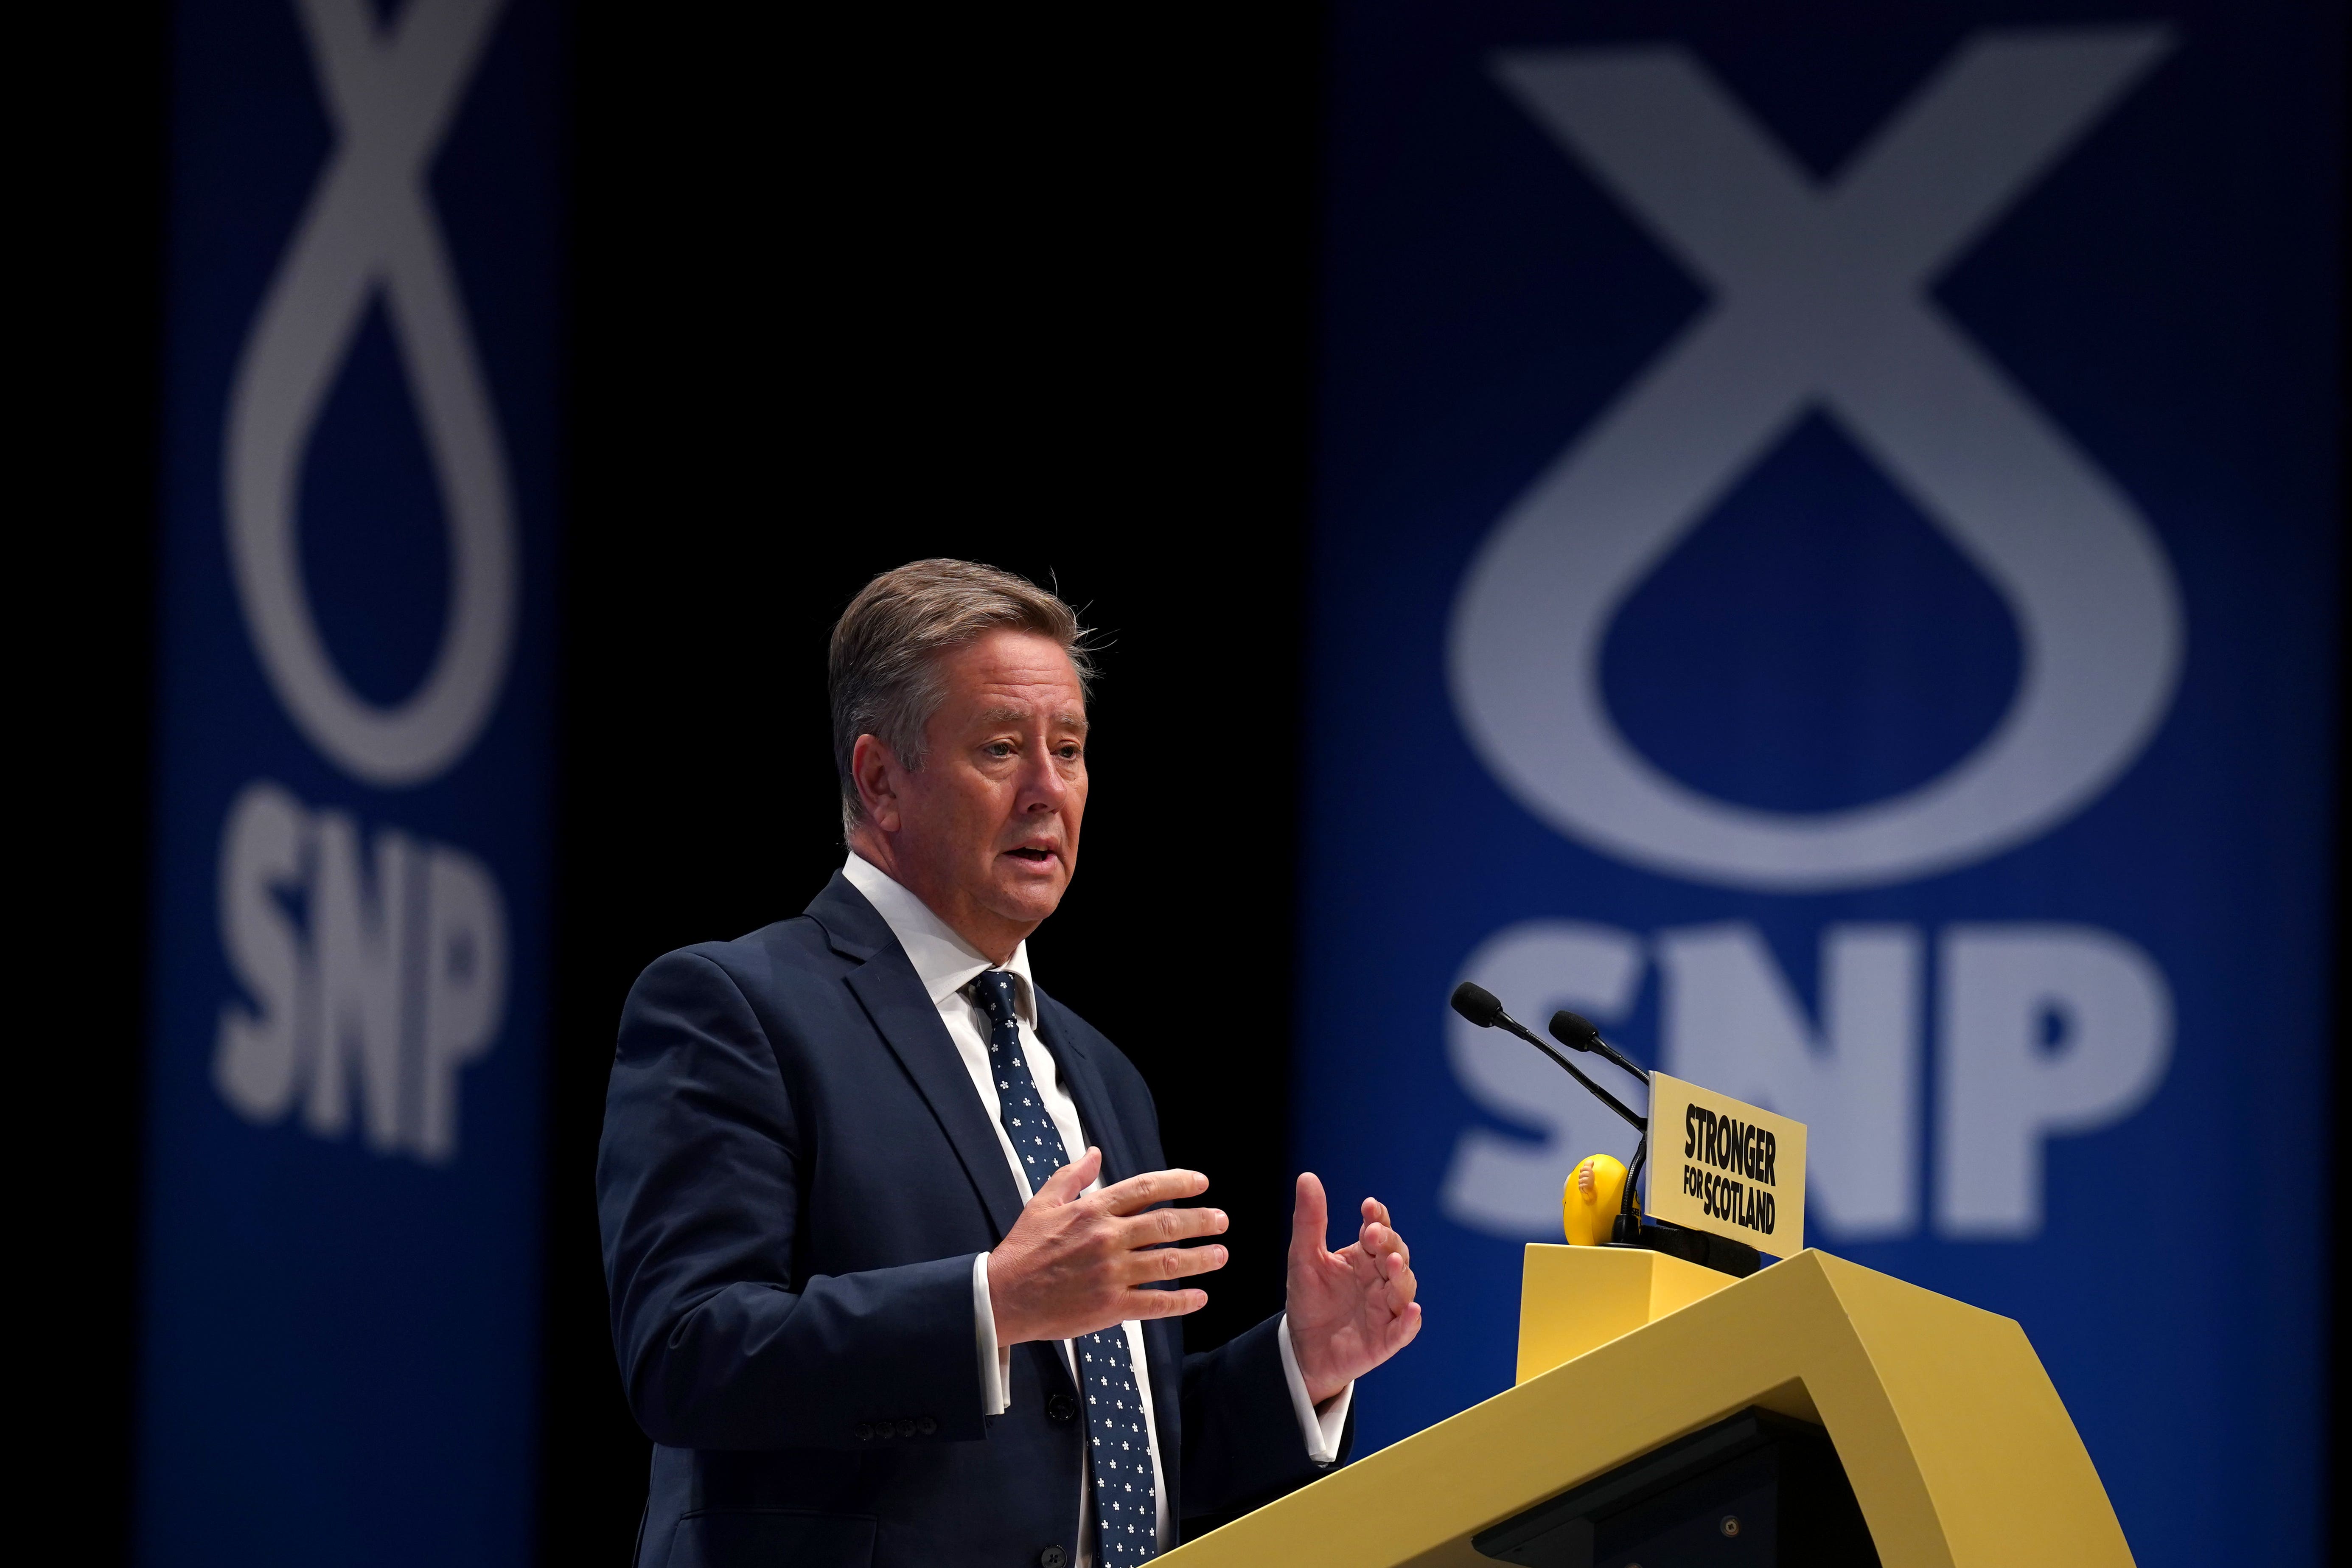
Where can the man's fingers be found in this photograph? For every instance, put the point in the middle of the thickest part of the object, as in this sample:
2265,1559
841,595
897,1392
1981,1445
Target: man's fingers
1141,1304
1400,1330
1311,1217
1174,1263
1380,1238
1071,1179
1403,1284
1136,1193
1162,1226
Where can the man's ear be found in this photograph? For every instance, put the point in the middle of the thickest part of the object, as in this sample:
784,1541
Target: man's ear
875,771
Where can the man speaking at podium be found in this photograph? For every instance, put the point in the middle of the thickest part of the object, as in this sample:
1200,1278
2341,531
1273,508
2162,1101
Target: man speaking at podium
884,1226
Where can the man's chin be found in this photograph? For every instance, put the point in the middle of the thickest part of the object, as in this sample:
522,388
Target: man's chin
1027,897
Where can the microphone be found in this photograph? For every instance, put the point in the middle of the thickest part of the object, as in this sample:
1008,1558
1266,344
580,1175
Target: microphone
1478,1004
1575,1031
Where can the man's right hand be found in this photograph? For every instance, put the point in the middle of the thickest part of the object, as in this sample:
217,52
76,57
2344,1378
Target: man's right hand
1075,1261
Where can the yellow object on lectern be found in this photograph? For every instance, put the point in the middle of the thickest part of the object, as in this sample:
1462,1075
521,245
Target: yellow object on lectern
1588,1203
1960,1454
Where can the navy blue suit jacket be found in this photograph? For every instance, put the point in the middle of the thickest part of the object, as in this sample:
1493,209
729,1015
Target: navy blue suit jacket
795,1178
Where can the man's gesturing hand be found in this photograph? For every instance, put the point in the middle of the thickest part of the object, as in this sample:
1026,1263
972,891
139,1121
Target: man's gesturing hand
1348,1310
1074,1261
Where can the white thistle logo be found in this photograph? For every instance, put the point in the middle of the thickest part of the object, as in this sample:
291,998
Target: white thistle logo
370,226
1820,300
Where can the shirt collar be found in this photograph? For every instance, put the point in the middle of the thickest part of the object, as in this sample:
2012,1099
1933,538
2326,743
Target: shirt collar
943,961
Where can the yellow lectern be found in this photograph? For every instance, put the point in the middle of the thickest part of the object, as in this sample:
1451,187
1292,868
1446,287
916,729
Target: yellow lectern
1957,1447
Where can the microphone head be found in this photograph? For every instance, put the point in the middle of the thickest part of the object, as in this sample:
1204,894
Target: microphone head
1478,1004
1574,1030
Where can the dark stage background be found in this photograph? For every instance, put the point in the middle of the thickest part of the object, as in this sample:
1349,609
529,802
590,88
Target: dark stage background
1035,294
1037,290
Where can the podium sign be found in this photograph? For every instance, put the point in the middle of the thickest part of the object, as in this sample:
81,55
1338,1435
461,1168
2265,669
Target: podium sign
1722,1165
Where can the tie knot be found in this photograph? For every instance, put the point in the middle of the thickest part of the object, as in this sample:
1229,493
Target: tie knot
992,989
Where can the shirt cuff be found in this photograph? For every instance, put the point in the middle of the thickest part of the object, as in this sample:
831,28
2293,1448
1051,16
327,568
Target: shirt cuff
996,1365
1324,1430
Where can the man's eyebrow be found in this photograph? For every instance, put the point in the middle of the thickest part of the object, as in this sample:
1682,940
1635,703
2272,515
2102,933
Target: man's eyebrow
1018,715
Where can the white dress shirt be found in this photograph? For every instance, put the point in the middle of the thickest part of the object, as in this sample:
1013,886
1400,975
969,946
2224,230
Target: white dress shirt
945,963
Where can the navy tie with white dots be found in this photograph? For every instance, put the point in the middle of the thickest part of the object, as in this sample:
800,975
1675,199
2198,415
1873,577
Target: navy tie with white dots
1126,1518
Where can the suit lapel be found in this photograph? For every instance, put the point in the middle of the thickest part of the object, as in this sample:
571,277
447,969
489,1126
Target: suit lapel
1081,1077
886,986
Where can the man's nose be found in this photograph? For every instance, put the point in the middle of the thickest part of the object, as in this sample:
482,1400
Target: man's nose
1041,783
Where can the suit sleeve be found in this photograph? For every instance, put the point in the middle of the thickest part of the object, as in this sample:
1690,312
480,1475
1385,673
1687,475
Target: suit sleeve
697,1191
1242,1442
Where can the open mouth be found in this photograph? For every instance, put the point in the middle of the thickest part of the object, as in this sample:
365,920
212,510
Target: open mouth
1034,857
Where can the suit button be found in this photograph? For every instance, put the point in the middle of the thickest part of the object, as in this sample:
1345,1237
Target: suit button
866,1431
926,1426
1060,1407
1053,1557
906,1428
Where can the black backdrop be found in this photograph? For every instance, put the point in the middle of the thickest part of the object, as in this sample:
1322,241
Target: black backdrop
1036,295
1038,292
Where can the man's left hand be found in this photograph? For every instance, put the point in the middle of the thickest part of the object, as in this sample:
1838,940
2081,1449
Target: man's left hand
1348,1310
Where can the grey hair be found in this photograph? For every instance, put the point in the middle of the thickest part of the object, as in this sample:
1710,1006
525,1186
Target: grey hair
883,670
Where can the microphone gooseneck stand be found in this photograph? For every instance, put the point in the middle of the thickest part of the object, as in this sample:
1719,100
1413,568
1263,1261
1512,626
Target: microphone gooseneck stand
1478,1005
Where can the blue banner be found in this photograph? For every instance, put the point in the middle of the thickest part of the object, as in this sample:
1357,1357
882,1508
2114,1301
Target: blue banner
1826,564
350,946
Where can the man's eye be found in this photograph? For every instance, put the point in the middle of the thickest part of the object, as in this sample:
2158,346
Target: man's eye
1000,748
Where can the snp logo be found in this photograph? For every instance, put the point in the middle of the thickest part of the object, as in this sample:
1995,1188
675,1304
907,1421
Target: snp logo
2043,1030
1820,301
373,971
